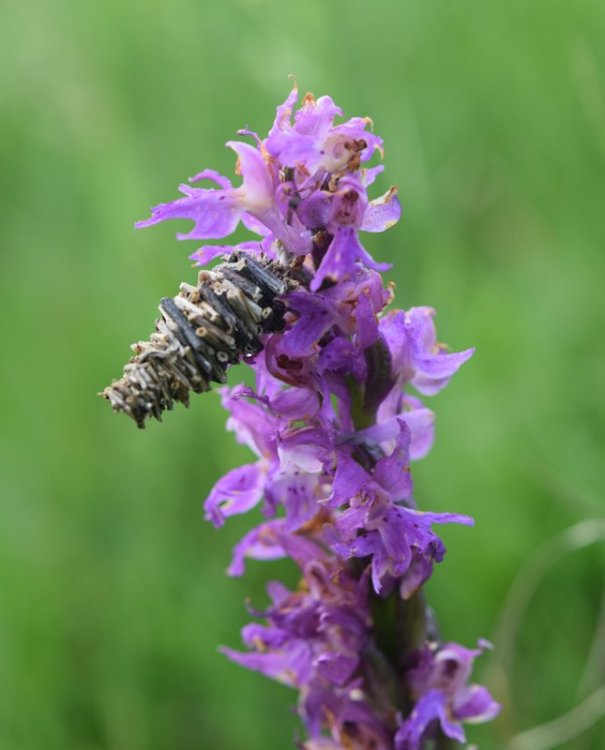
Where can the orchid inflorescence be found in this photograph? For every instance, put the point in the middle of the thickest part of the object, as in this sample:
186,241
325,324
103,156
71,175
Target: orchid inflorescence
333,424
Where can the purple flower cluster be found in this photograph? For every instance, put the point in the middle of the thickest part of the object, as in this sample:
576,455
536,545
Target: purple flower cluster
334,428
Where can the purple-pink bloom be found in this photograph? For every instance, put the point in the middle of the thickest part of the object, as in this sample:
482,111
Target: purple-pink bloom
438,682
238,491
312,140
216,213
314,640
417,356
399,541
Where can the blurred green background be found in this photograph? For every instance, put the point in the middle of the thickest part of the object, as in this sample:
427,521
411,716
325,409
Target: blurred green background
113,596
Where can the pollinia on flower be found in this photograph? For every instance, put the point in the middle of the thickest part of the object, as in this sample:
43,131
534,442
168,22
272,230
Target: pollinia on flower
335,419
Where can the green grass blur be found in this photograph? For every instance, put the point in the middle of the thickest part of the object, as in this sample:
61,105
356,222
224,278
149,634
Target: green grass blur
113,596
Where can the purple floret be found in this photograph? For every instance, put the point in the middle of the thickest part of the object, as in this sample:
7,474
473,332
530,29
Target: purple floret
438,681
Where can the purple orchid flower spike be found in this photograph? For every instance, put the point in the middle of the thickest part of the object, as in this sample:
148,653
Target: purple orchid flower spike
332,425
